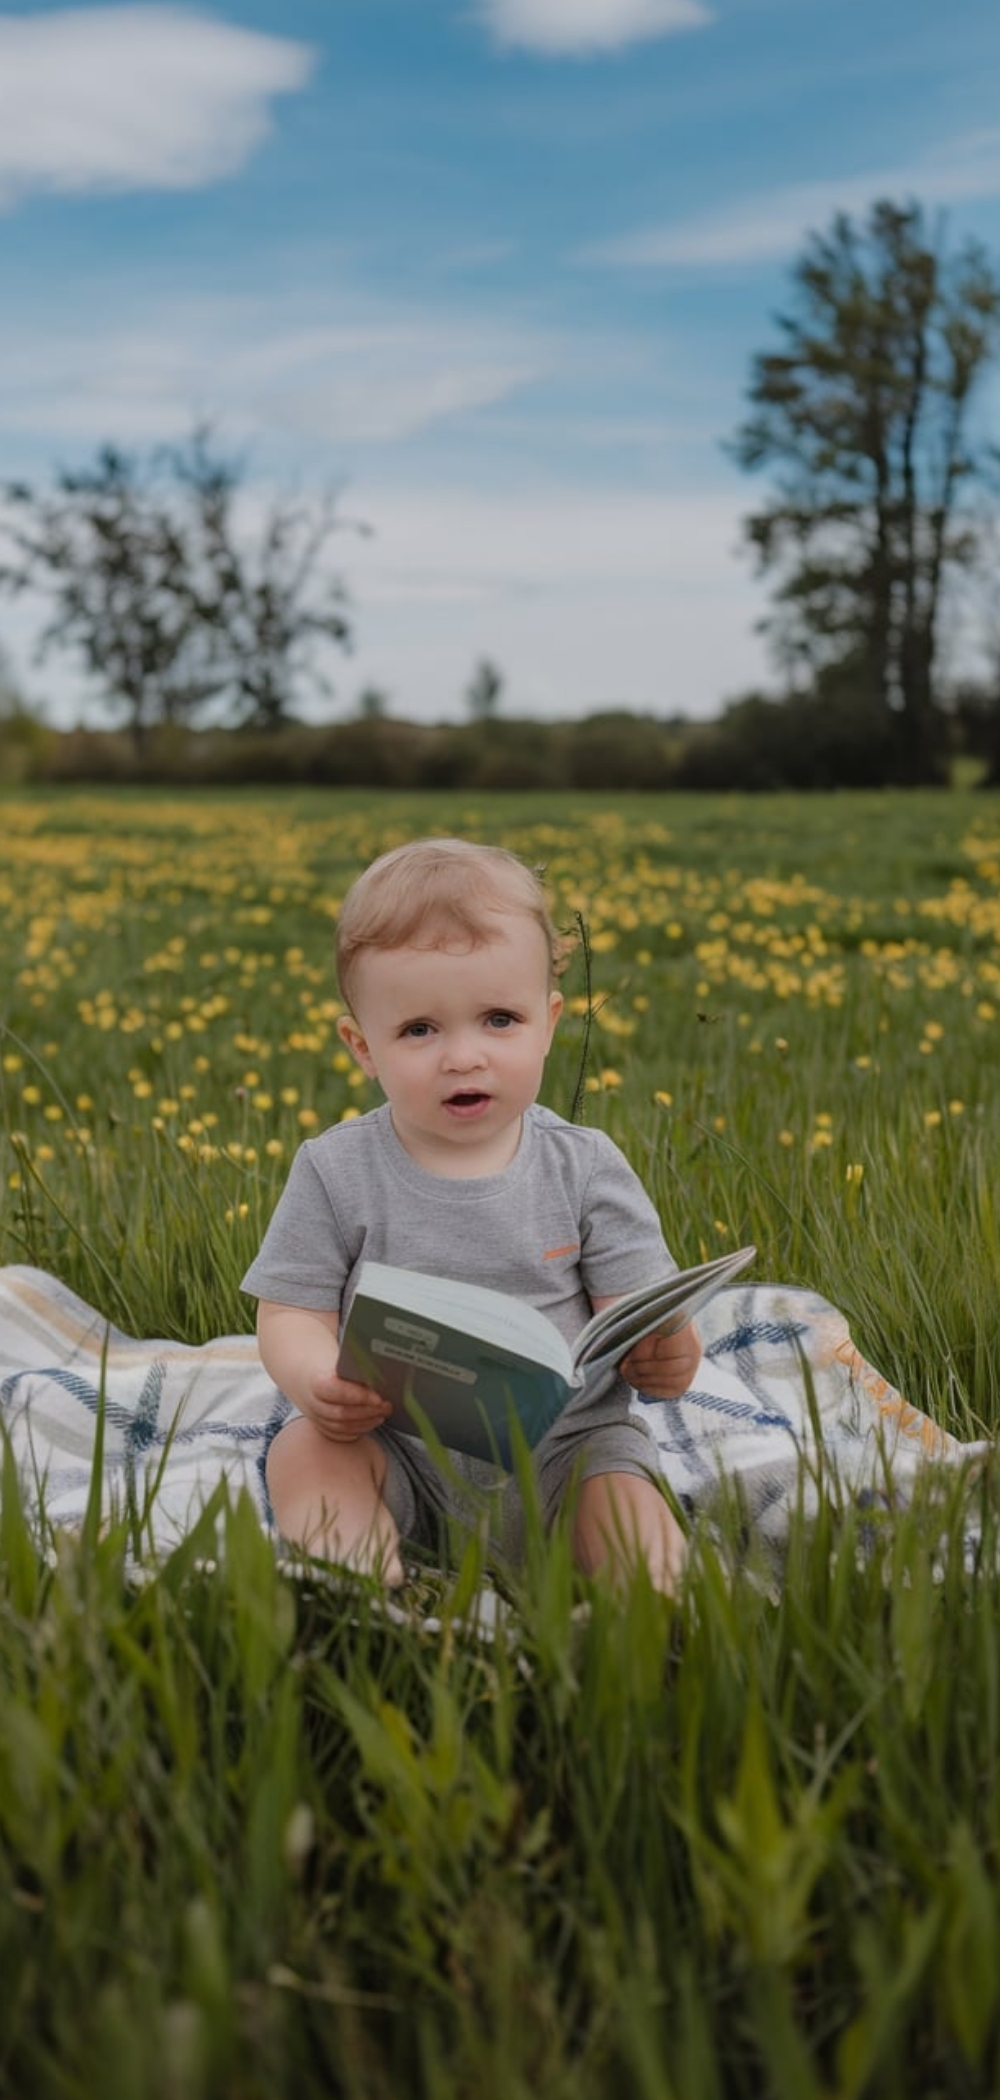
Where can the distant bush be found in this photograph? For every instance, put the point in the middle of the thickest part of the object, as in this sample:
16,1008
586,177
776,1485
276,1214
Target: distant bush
821,740
809,741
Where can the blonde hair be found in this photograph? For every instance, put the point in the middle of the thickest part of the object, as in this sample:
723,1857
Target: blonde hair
427,892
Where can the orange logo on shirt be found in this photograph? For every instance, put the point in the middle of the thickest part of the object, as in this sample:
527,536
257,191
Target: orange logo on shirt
555,1253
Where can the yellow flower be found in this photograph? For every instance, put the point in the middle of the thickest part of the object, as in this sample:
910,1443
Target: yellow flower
609,1077
307,1118
932,1117
665,1100
786,1137
956,1108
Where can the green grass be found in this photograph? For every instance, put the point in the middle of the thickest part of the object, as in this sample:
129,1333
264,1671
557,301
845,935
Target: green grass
257,1837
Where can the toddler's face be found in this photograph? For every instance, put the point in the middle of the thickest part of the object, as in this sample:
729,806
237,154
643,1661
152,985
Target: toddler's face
457,1038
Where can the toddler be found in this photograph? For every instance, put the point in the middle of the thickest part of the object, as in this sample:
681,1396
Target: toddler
447,961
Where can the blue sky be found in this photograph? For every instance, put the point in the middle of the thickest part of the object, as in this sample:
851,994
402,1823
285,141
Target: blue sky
496,269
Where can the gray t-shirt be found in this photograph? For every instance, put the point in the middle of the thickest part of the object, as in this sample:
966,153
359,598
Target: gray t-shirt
566,1222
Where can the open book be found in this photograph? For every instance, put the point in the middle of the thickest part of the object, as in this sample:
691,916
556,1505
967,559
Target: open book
471,1358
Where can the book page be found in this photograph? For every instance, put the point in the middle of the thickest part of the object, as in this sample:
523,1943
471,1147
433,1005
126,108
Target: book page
659,1307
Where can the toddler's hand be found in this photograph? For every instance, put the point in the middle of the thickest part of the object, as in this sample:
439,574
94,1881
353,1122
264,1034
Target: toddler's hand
664,1365
344,1411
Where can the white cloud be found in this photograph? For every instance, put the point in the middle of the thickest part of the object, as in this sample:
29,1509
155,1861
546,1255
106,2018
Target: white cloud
121,98
377,379
586,597
560,28
774,222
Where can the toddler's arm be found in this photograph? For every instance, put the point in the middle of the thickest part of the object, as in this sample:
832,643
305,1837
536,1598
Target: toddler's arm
299,1347
662,1365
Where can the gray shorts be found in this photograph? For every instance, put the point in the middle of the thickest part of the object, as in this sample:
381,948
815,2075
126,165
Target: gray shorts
430,1505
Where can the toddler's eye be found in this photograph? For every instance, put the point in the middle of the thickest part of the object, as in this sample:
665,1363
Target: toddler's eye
502,1020
418,1029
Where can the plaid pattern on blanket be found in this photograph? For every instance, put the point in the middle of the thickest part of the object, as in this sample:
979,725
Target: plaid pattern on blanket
781,1382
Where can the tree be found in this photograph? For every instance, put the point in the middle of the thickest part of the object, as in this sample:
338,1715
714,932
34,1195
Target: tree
267,602
373,704
166,602
865,411
482,694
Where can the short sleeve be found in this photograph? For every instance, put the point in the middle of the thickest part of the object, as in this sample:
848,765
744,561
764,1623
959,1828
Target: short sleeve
303,1259
622,1243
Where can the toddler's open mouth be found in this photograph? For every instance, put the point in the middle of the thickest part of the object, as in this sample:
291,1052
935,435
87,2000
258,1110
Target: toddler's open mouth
469,1098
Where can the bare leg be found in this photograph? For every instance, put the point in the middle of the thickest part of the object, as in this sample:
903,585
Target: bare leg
622,1520
327,1497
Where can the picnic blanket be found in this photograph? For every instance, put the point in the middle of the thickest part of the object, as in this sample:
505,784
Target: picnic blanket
785,1409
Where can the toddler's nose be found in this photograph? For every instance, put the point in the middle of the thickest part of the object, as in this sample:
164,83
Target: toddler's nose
464,1052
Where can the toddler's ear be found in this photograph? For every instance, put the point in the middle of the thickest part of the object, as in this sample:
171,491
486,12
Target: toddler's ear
350,1034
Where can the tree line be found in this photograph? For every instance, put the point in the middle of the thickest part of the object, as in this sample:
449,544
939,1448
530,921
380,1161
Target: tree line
867,417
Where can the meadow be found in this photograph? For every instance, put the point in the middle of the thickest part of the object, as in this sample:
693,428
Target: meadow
257,1838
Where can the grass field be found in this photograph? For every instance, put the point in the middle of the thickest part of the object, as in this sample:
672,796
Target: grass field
257,1839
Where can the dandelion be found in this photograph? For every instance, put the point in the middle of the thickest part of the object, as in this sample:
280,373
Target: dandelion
609,1077
348,1114
307,1118
932,1117
665,1100
786,1137
956,1108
